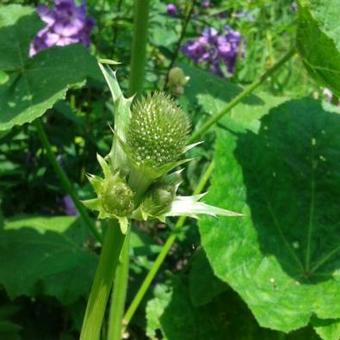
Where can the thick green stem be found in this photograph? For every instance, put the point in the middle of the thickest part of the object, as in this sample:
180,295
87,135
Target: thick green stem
248,90
164,252
102,284
65,182
138,55
118,297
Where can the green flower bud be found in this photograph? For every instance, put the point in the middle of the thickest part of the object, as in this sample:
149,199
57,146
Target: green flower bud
158,131
176,81
158,201
117,197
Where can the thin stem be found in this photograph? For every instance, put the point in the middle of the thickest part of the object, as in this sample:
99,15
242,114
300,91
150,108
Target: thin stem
102,284
248,90
164,252
138,55
180,40
65,182
115,28
119,293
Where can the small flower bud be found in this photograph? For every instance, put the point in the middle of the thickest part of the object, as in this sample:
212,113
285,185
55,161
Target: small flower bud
117,197
158,201
158,131
177,80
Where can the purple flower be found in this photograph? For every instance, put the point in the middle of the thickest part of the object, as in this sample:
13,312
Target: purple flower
171,9
69,207
66,24
206,4
215,50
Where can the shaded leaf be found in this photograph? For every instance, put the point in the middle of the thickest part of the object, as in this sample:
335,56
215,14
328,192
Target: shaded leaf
282,257
203,284
171,313
49,257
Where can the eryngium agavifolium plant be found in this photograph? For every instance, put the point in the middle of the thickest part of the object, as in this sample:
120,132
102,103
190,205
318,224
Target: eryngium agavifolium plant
149,139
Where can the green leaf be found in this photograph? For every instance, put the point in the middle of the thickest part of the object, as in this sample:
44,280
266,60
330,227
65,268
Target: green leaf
226,317
18,26
245,115
318,41
49,257
202,82
8,329
35,84
327,329
155,308
203,284
282,257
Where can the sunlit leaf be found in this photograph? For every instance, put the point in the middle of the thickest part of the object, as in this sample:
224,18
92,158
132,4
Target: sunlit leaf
283,256
35,84
318,40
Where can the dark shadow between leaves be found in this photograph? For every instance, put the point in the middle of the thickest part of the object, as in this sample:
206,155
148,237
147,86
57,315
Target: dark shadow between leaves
291,173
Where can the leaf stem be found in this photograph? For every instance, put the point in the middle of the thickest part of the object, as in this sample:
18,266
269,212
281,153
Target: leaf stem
118,297
65,182
248,90
102,284
138,55
164,252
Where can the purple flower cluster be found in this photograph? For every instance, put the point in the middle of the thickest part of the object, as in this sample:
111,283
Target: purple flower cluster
66,24
215,50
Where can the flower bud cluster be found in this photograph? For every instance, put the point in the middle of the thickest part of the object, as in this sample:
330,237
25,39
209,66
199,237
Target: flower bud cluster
148,142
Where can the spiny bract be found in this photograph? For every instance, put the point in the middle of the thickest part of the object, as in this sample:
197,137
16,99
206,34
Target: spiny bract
158,131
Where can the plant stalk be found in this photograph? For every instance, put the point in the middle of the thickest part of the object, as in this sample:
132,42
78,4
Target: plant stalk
180,40
65,182
164,252
138,55
102,284
118,297
248,90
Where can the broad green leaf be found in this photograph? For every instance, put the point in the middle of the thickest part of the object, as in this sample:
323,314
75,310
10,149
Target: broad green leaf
327,329
203,284
283,256
226,317
211,94
245,115
35,84
49,257
18,26
318,41
202,82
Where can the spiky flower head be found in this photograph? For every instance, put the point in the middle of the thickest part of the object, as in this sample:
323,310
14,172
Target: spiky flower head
158,131
148,142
